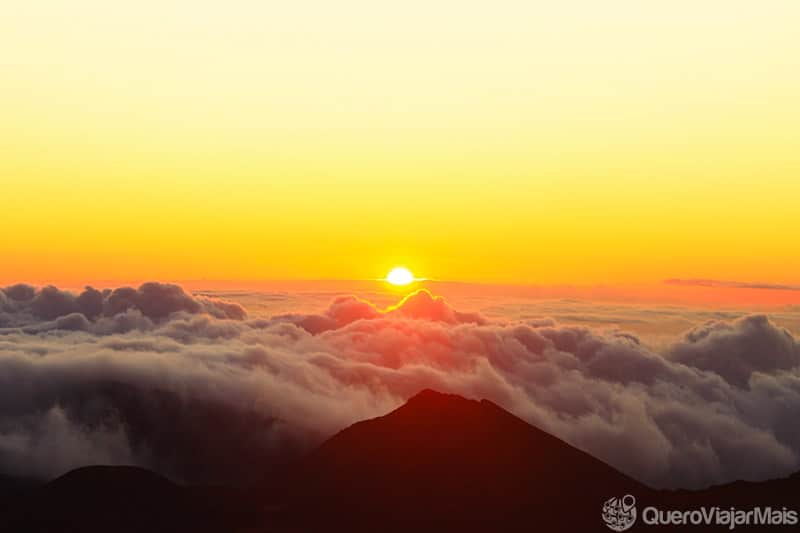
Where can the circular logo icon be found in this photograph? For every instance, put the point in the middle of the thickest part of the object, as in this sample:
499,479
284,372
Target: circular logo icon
619,514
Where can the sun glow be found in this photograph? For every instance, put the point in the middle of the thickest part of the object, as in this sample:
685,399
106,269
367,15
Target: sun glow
382,146
400,276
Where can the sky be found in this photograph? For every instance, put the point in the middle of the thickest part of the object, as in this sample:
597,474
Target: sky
505,142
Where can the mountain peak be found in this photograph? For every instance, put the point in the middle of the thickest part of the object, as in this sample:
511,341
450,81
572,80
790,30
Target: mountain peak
439,450
430,396
110,483
99,475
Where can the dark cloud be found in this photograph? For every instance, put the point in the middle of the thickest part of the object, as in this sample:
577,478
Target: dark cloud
188,387
735,350
90,302
72,322
26,306
50,303
19,292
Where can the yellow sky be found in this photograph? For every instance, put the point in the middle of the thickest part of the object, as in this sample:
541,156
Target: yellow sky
525,142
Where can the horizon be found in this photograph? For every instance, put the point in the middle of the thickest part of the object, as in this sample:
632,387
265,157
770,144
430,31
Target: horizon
692,292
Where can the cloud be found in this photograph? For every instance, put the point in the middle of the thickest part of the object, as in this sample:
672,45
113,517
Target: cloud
731,284
344,310
736,350
19,292
26,306
193,389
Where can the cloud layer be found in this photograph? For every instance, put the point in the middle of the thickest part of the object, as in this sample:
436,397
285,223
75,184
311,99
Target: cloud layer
731,284
192,388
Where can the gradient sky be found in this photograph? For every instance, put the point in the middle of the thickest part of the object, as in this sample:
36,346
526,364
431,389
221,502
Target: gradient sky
524,142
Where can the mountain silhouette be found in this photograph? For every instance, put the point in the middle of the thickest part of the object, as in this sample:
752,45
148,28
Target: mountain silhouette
122,499
445,462
438,463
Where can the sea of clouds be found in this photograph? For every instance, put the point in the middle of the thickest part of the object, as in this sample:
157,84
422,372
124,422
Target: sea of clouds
194,388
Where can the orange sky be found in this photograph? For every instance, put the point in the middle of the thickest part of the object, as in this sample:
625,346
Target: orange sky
506,143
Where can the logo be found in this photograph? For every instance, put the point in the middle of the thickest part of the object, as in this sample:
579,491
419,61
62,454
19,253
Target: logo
619,514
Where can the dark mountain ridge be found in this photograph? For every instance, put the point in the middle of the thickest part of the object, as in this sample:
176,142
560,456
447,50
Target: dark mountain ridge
438,463
440,457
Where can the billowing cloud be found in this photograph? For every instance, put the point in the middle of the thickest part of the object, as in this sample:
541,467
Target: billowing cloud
23,305
192,388
421,305
736,350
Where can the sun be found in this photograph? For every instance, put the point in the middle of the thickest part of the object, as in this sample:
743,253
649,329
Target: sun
400,276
